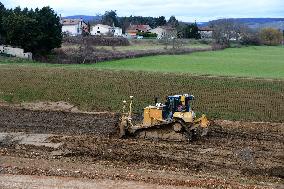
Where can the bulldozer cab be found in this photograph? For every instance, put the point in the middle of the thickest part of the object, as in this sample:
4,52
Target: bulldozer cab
177,103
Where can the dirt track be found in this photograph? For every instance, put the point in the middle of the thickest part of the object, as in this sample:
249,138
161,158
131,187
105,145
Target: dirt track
235,154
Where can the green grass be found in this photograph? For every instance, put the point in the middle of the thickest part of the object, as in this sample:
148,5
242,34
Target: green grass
103,86
104,90
256,62
252,62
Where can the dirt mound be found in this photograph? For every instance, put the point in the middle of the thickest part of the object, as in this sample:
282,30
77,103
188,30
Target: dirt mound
52,106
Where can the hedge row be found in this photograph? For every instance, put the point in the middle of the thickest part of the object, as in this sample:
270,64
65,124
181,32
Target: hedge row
91,55
96,40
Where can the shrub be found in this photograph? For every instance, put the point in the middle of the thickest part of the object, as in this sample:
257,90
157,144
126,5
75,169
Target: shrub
97,40
270,36
147,34
87,54
251,39
205,41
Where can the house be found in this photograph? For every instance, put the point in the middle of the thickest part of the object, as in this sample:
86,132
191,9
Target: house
100,29
73,27
164,31
132,30
16,52
205,32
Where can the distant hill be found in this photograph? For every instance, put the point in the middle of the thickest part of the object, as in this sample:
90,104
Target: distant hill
86,18
258,20
257,23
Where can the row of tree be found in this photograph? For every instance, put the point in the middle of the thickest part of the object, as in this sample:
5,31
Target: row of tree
227,30
111,18
37,31
184,30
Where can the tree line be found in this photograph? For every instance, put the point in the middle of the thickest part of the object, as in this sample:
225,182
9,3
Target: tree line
184,30
37,31
227,30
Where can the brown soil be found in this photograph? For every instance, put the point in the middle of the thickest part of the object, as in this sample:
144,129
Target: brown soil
233,155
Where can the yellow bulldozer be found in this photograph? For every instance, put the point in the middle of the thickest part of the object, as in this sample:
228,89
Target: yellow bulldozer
173,120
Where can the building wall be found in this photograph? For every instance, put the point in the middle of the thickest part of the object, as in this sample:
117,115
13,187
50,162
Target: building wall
72,29
161,32
100,29
17,52
117,31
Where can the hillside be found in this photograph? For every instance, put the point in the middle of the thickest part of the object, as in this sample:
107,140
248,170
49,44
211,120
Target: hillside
257,23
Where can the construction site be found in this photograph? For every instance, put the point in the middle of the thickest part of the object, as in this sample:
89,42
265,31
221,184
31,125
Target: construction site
67,144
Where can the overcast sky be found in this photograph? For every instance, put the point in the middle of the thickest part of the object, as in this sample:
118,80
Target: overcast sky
185,10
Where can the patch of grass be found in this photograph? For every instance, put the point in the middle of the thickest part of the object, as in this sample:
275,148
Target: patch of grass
256,62
7,98
101,90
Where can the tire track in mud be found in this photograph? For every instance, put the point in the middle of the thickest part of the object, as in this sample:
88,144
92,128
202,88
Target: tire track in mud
56,122
197,158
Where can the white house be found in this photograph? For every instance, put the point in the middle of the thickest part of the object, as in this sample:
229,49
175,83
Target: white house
17,52
73,27
101,29
164,31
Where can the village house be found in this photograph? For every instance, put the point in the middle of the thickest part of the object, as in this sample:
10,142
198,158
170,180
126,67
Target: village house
100,29
74,27
205,32
132,30
164,31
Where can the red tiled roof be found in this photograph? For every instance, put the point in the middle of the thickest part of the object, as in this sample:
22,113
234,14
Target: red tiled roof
70,21
135,28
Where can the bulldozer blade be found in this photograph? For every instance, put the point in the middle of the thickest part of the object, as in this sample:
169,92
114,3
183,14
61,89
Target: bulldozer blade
163,132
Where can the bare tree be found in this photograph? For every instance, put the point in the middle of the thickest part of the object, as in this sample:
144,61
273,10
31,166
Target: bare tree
226,30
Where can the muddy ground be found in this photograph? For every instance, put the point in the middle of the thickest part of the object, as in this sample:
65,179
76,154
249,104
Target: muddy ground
86,146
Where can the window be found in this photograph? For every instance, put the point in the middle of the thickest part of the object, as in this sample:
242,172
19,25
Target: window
98,31
98,27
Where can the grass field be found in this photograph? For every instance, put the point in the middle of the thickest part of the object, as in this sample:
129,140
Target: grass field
102,90
252,62
92,87
260,62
